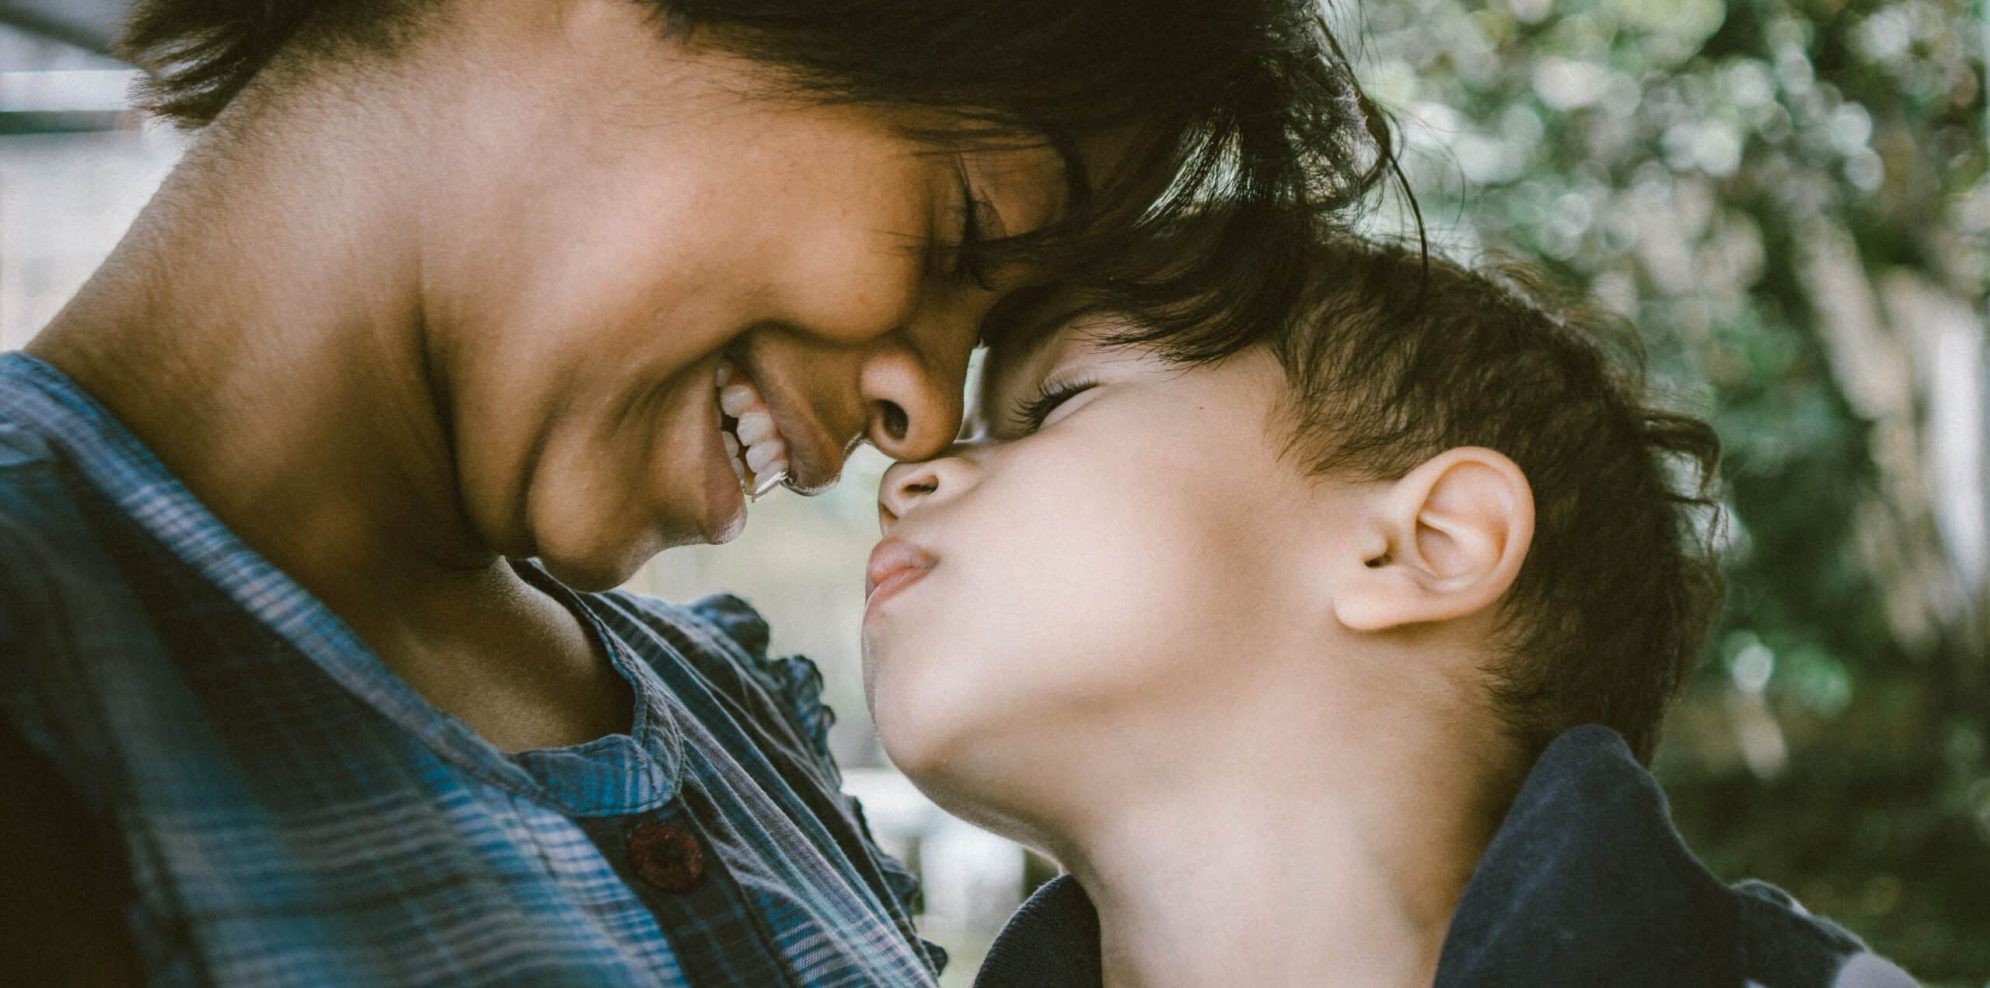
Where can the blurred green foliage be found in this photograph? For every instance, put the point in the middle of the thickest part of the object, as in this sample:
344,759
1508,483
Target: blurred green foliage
1757,184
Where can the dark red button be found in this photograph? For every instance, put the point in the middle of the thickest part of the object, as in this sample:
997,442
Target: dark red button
666,857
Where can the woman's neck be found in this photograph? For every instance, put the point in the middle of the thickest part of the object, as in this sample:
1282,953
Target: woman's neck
259,328
1292,865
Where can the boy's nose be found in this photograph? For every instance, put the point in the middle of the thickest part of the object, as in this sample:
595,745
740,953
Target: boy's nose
908,485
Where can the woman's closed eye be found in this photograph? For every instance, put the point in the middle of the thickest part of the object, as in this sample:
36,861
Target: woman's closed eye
1034,412
968,255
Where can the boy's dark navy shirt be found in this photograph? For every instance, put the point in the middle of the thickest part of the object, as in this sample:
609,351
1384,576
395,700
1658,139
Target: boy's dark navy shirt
1586,883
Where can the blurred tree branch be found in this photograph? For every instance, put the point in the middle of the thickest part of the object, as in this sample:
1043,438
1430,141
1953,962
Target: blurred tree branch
1791,198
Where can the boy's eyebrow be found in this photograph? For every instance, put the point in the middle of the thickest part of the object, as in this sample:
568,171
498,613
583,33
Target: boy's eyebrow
1015,331
1010,314
1020,323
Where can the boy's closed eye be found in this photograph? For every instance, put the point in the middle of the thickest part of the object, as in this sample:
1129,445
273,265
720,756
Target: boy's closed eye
1033,413
1030,386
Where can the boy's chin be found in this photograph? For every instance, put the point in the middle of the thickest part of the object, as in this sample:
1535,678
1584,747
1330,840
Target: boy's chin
987,802
985,779
932,751
917,752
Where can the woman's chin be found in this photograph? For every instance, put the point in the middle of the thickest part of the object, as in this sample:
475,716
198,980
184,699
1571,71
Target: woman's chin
593,558
602,556
725,513
914,741
593,573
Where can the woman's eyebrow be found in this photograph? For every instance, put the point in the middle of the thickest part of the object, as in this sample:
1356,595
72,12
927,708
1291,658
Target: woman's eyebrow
1077,178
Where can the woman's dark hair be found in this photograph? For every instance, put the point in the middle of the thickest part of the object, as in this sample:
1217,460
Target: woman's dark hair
1244,111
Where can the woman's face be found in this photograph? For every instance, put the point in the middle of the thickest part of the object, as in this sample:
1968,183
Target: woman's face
611,216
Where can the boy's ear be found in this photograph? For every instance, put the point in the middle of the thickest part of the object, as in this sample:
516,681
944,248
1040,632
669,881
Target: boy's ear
1444,542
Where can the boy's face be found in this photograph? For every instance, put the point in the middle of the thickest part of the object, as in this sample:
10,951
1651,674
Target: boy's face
1101,578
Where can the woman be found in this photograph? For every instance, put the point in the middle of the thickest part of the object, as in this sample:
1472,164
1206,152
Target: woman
457,312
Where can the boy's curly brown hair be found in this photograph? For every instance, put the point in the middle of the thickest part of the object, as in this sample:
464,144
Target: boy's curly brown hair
1396,357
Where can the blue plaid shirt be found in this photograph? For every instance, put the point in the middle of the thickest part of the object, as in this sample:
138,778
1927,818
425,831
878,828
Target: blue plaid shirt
291,813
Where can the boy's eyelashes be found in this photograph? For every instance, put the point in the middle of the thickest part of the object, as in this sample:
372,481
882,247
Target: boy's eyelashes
1031,412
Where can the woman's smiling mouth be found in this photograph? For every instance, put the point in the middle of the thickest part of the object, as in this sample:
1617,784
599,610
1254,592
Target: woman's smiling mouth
746,426
773,434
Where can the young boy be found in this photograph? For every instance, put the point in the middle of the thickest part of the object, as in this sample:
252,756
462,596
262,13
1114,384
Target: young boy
1328,657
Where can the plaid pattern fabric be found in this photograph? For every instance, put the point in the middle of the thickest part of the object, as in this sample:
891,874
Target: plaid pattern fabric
291,813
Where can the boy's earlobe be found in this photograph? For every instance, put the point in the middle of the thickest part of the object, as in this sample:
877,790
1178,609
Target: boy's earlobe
1444,542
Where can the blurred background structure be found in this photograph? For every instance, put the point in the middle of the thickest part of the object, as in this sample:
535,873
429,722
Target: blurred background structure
1790,197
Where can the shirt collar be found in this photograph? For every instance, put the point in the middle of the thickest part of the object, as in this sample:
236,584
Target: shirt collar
1586,882
615,774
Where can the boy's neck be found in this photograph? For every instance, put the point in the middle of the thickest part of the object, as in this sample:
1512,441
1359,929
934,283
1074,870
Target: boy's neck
1291,863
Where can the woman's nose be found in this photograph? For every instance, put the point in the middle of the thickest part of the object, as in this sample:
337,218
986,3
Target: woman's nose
913,408
911,382
909,485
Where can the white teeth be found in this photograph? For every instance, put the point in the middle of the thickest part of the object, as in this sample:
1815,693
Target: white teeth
735,399
769,482
753,444
759,455
756,426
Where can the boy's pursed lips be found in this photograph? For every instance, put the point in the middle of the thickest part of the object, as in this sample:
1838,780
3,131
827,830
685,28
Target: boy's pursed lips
894,565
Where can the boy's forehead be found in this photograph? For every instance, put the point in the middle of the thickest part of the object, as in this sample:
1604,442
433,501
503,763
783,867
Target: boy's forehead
1020,334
